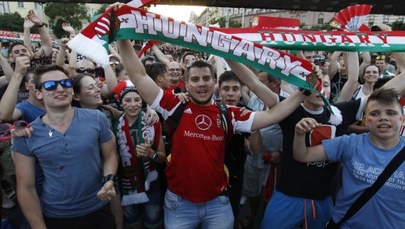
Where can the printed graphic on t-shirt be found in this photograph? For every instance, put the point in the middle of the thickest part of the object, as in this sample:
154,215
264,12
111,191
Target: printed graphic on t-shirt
369,174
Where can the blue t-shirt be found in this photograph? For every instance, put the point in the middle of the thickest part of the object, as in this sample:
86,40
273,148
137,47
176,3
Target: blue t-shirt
362,164
71,163
29,112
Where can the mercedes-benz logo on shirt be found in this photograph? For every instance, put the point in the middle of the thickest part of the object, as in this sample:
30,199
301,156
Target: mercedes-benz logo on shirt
203,122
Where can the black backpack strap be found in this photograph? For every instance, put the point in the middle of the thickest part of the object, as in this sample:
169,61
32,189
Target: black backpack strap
369,192
173,121
223,109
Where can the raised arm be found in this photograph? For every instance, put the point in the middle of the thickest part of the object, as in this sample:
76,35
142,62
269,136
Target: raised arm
398,83
61,57
137,73
28,24
333,64
43,32
8,71
301,152
111,82
366,61
253,83
278,112
352,78
9,99
160,55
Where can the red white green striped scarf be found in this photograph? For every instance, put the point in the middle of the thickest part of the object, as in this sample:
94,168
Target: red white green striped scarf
132,23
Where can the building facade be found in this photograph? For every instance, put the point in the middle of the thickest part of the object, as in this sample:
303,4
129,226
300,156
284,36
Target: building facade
247,16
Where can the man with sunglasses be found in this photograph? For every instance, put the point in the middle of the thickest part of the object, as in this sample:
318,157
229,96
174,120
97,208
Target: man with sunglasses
107,84
79,180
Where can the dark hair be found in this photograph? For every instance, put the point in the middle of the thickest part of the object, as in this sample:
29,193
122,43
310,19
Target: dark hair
361,78
187,54
228,76
148,58
386,96
42,69
15,44
156,69
77,85
381,81
271,78
119,68
198,64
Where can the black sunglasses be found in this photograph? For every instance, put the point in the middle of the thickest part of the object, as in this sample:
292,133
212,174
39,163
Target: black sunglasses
85,70
53,84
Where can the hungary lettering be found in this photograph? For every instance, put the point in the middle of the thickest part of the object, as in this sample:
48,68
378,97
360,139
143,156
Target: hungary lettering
152,24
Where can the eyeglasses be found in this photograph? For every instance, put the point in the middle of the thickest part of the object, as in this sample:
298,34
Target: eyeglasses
5,129
174,69
114,63
85,70
382,57
53,84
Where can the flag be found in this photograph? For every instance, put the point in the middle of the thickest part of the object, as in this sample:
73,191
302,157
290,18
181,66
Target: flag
133,23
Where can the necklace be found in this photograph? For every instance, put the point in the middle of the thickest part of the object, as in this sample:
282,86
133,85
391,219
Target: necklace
50,130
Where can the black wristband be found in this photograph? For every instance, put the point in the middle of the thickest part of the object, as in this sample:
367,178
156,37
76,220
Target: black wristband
305,91
109,177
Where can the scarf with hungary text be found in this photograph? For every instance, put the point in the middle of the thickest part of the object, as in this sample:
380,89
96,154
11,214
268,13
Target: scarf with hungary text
135,172
132,23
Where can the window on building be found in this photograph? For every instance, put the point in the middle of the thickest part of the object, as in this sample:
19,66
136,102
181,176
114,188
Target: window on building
20,4
386,20
320,19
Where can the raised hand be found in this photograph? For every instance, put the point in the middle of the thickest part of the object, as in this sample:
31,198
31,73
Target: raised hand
22,63
68,28
34,18
28,24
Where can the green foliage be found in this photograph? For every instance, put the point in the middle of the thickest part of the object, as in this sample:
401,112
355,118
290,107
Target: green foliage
222,22
102,9
398,25
74,13
12,22
323,27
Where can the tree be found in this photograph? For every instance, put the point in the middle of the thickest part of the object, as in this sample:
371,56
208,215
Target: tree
74,13
12,22
398,25
102,9
222,22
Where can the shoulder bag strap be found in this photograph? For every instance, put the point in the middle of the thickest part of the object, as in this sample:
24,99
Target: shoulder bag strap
369,192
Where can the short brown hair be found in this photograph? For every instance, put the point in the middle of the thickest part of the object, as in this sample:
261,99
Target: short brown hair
42,69
386,96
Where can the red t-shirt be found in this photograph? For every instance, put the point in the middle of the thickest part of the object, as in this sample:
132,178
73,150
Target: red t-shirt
178,88
196,169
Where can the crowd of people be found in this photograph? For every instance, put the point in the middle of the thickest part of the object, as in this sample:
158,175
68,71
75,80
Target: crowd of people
183,139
